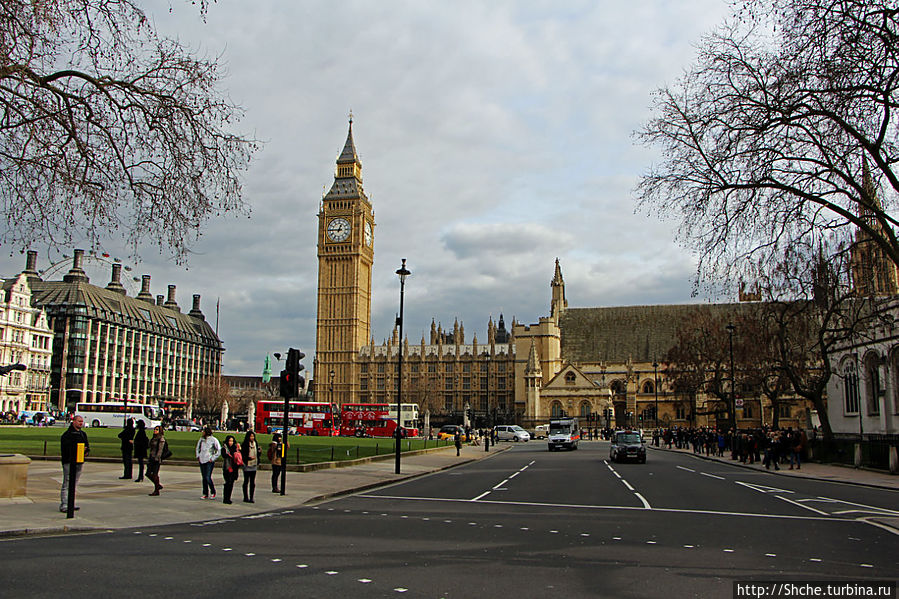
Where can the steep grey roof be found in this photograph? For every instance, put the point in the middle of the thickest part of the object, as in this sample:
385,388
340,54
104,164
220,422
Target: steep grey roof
642,333
111,306
346,188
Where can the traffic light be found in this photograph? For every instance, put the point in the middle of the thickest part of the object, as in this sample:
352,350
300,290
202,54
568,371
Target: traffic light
291,381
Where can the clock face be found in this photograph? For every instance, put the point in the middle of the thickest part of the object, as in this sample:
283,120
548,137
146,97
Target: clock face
339,229
368,235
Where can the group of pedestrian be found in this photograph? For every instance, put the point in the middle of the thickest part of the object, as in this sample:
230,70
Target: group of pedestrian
771,446
135,445
236,458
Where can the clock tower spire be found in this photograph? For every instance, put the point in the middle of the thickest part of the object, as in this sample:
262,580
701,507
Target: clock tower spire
345,258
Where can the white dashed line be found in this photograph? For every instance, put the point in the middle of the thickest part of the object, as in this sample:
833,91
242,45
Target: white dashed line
364,580
554,532
276,559
525,528
650,542
249,554
400,590
728,550
188,541
712,475
687,469
814,559
770,555
472,523
169,538
207,544
688,546
616,538
514,475
481,495
585,534
331,572
866,565
627,484
226,549
302,565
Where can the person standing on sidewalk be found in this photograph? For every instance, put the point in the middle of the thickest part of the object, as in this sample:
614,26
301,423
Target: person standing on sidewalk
208,451
127,437
251,454
274,456
141,444
230,466
68,448
457,438
158,446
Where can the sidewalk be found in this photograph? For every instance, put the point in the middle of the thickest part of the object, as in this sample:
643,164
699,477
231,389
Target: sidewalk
813,470
108,502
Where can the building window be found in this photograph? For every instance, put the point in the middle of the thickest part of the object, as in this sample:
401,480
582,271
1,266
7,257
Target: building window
873,390
556,410
747,410
448,402
850,389
466,367
648,387
783,410
680,412
381,367
569,378
364,368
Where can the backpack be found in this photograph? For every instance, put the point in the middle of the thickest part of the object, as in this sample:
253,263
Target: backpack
238,459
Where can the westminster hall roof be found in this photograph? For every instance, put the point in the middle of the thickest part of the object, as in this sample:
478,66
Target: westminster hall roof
639,333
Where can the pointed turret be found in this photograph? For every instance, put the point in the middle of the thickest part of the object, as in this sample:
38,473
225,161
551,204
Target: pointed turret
533,367
559,303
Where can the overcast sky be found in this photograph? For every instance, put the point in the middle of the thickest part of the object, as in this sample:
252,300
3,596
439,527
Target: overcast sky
494,137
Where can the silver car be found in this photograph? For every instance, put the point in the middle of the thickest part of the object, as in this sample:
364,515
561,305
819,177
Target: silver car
511,432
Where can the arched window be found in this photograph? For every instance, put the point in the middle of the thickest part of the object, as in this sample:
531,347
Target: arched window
617,387
569,378
850,387
648,387
556,410
872,384
585,409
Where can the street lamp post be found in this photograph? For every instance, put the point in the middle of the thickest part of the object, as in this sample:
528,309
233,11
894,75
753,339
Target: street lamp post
733,397
487,407
402,273
655,386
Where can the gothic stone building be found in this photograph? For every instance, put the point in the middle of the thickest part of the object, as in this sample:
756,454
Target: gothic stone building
576,361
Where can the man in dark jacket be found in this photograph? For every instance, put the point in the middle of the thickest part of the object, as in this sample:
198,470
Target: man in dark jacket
68,448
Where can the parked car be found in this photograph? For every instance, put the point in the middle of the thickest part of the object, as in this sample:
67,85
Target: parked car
449,432
36,417
541,431
511,432
183,424
627,445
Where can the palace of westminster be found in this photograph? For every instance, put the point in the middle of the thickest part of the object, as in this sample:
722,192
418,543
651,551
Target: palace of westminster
83,342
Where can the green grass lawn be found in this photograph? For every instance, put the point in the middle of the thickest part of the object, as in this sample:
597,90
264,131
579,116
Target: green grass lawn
37,441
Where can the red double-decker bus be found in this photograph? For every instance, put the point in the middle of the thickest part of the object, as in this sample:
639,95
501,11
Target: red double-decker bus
303,418
377,420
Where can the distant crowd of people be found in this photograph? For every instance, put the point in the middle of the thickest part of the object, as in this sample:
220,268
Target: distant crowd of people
770,446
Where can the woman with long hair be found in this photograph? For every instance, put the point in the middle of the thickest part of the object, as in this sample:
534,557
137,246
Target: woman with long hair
251,454
157,449
230,469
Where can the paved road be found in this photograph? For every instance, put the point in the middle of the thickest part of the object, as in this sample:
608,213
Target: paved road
524,523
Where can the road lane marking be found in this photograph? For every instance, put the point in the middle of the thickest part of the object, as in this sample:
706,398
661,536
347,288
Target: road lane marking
501,484
712,475
763,488
808,507
613,507
481,495
643,499
687,469
514,475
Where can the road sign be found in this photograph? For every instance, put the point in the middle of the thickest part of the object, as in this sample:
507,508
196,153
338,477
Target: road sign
739,403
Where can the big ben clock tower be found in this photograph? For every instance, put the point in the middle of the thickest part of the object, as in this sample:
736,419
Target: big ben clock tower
345,256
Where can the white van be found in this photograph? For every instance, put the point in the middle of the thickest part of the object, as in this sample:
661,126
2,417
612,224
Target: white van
541,431
564,433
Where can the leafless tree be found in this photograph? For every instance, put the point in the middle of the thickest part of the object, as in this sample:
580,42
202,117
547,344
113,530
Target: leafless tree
107,128
783,131
811,309
210,394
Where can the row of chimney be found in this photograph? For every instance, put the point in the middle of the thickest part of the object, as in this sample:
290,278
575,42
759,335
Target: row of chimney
76,274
